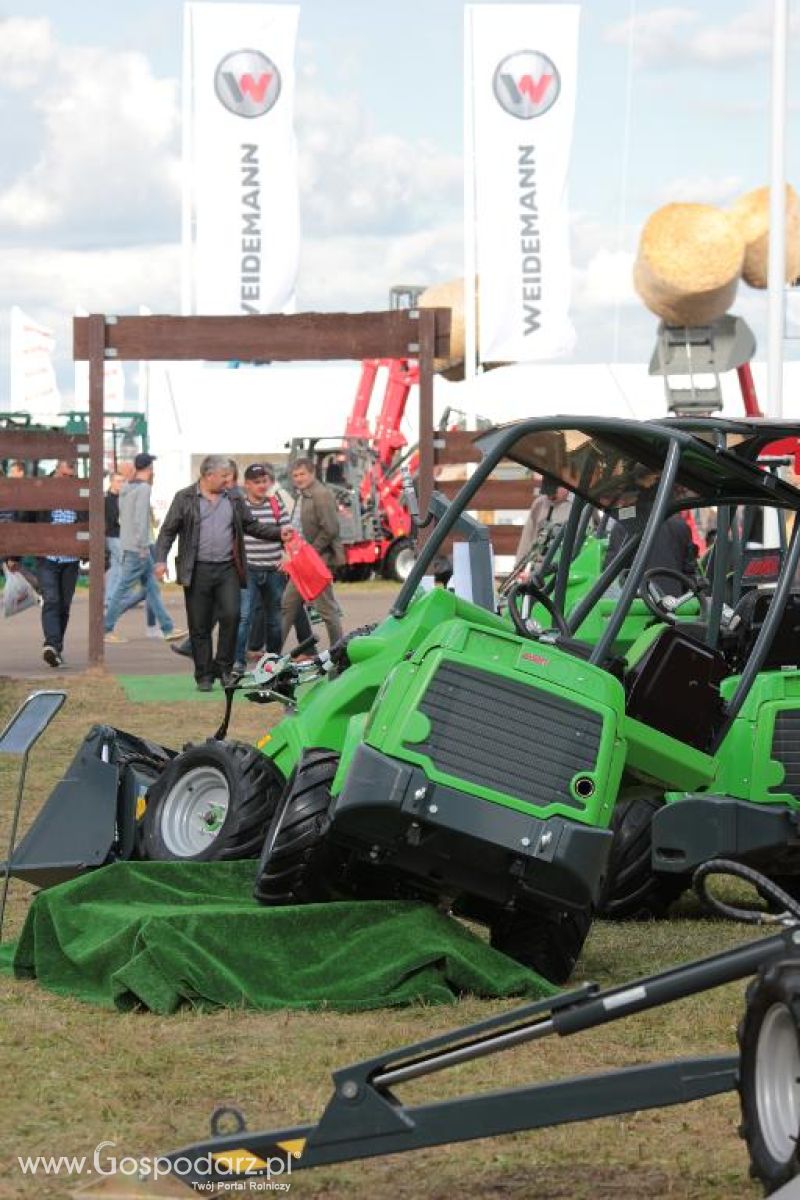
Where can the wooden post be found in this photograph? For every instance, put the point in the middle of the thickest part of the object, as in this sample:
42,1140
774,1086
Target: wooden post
427,346
97,541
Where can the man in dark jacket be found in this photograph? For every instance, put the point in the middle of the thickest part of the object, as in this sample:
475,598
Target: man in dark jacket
317,517
58,575
210,523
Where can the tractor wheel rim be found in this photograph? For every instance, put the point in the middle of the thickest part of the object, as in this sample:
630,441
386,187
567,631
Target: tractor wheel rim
404,563
194,811
778,1082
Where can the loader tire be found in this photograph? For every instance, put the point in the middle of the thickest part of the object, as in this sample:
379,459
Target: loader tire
548,941
400,559
769,1067
633,891
213,802
297,865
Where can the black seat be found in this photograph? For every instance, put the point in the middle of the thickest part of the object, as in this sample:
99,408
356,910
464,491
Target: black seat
785,648
674,687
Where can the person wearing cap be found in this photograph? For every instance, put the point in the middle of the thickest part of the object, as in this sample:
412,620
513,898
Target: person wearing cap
136,570
265,581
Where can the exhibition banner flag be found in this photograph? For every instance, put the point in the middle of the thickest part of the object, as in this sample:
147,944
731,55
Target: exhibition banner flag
520,84
241,230
32,378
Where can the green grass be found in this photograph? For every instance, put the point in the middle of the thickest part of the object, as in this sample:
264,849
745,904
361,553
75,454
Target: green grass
74,1075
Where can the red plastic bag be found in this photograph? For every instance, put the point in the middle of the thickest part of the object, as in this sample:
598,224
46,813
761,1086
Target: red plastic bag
305,568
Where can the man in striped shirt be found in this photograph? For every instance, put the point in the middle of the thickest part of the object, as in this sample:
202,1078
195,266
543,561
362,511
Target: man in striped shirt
263,560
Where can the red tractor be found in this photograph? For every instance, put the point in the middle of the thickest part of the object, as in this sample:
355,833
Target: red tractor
363,469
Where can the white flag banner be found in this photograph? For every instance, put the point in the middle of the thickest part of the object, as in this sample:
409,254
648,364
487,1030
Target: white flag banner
32,384
520,84
113,387
241,228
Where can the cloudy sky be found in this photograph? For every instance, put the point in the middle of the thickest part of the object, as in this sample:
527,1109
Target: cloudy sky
672,105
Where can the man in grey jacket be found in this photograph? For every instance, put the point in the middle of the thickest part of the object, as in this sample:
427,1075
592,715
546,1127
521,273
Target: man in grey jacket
136,570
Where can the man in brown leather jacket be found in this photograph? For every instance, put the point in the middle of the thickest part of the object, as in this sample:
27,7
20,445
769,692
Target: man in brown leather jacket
210,522
316,516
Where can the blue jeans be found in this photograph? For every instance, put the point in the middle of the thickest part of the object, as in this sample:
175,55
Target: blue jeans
114,564
57,581
269,586
137,570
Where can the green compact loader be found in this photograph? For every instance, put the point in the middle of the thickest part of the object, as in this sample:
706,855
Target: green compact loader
475,759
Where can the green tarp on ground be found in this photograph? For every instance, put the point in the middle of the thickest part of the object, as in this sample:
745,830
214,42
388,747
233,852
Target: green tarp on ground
160,935
167,689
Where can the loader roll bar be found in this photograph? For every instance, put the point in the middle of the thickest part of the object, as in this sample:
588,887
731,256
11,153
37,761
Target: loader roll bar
710,475
724,523
630,588
760,650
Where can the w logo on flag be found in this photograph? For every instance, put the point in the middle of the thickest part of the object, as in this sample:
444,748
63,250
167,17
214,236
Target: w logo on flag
247,83
526,84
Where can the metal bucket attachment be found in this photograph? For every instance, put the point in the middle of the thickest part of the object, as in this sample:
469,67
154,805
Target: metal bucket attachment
89,819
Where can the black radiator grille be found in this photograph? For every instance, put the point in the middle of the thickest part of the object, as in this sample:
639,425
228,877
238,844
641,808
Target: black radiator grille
786,749
508,736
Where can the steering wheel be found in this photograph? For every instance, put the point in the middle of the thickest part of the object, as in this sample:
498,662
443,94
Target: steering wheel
665,607
540,596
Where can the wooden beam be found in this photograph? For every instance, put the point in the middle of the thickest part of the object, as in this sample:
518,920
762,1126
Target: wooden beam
302,337
97,542
456,447
494,494
18,538
29,494
36,445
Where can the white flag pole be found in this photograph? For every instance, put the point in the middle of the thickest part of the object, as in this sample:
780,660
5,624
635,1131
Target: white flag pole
470,284
776,276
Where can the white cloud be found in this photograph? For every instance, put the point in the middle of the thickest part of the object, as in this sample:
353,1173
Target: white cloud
672,36
347,272
701,189
51,284
605,281
107,170
353,179
26,49
657,36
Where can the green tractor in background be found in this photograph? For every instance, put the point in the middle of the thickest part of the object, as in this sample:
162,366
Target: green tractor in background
475,759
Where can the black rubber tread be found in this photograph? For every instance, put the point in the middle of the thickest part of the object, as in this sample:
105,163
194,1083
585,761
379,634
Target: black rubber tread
354,572
338,650
297,866
778,983
633,891
390,562
255,786
548,941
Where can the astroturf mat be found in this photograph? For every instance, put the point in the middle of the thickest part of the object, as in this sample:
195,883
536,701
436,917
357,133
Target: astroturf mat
163,935
167,689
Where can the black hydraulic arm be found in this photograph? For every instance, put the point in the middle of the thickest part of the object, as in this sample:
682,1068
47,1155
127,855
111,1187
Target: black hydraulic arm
364,1117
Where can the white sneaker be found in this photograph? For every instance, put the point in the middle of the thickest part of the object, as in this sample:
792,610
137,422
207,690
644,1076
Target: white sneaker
153,631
